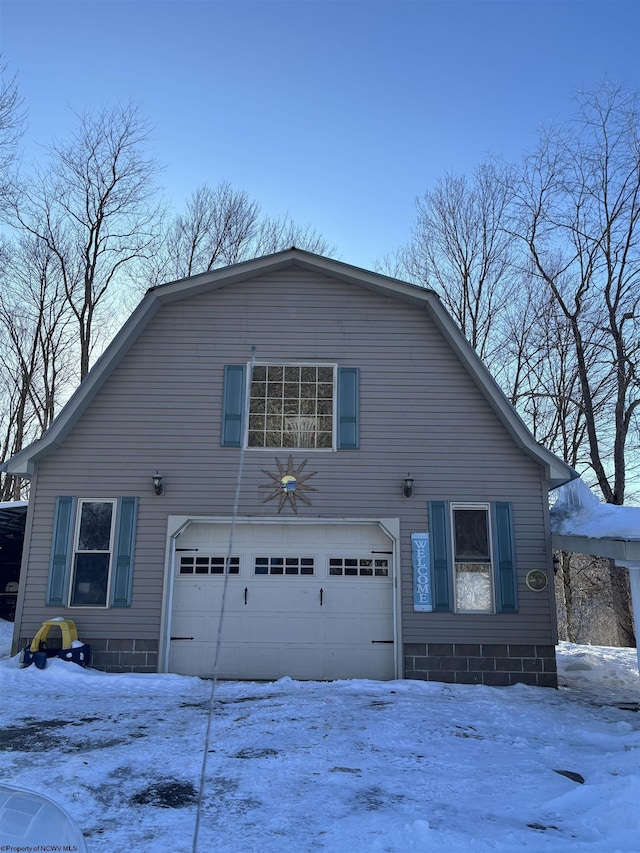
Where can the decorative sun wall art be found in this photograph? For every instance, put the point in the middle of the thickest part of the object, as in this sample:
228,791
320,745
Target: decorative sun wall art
289,484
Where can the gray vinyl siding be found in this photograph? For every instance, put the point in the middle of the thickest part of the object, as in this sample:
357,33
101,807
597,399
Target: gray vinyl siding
420,412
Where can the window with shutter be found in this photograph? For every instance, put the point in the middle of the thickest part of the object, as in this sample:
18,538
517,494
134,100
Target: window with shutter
291,406
472,557
92,552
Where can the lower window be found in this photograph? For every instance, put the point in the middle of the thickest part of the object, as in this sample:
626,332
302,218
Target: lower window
473,564
93,547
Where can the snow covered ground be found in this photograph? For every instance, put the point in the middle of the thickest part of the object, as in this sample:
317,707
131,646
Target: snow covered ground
347,766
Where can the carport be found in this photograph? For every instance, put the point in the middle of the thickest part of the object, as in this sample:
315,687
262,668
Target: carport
582,525
12,521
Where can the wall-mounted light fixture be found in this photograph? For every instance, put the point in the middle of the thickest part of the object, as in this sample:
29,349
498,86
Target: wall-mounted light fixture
407,486
158,483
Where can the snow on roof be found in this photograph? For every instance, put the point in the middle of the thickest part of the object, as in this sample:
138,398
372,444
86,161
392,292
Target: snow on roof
578,512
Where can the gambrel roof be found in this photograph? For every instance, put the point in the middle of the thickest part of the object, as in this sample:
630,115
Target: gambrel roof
557,472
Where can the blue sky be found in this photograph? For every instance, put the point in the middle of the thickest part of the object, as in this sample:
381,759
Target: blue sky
339,113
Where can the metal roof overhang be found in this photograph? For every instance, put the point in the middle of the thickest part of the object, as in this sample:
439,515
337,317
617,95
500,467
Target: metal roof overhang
626,552
623,551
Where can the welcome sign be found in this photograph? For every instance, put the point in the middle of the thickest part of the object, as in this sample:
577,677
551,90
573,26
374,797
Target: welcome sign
421,572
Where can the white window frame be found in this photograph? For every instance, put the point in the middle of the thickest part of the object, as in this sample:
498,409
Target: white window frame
334,405
284,557
486,506
227,566
359,573
75,551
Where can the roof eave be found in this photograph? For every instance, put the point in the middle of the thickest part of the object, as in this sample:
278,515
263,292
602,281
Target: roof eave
623,551
225,276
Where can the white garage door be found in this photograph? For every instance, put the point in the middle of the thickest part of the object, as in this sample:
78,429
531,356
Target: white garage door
311,601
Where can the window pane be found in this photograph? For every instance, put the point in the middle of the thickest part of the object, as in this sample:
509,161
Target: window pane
256,439
291,391
95,526
90,580
471,534
186,565
473,588
308,374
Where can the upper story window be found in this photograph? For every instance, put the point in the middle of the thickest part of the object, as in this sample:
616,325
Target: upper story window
291,406
92,553
310,406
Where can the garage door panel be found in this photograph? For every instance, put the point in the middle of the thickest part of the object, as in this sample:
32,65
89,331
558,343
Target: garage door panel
338,598
360,630
341,630
265,628
302,615
282,595
265,659
187,625
207,595
190,658
302,629
302,661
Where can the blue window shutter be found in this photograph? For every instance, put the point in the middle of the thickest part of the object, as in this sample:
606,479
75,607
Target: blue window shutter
123,552
439,534
61,549
348,408
233,405
505,558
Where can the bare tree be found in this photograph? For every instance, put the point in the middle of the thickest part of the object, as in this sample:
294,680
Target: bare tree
12,121
94,208
216,224
589,591
35,351
540,374
221,226
274,234
579,204
461,249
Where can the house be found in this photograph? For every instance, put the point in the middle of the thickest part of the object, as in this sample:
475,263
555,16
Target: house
314,451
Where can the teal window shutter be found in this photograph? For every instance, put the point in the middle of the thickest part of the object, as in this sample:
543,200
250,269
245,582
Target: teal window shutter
61,548
348,408
439,535
505,558
123,552
233,405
